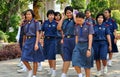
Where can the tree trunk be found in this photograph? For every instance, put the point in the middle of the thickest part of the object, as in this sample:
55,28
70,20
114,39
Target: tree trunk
36,9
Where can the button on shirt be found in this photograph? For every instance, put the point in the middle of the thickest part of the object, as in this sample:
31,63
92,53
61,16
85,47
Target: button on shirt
50,28
83,32
68,27
31,27
100,32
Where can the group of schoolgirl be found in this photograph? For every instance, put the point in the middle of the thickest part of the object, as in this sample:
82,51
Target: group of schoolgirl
78,38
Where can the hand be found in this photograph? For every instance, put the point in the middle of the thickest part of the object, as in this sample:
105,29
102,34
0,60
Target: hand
63,16
115,41
36,47
110,48
88,53
62,41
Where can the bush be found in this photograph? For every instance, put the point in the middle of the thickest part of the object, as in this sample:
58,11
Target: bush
3,36
10,51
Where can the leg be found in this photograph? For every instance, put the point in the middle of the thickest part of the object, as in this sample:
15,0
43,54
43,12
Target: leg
105,66
87,72
78,69
98,65
66,66
54,68
104,62
110,55
27,65
35,66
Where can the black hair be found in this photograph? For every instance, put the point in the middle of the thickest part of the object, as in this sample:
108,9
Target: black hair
108,10
100,14
23,13
31,11
58,13
80,15
68,8
87,10
50,12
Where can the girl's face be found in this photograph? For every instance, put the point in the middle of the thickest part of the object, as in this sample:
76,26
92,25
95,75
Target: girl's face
28,15
106,13
23,16
87,14
79,21
51,17
100,19
69,14
57,18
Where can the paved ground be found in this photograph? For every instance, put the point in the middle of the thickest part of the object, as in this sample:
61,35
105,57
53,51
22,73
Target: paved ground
8,68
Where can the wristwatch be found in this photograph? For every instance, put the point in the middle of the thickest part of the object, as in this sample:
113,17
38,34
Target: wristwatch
89,49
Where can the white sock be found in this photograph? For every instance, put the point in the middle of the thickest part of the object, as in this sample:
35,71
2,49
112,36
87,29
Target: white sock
63,75
34,75
54,72
51,69
39,64
80,75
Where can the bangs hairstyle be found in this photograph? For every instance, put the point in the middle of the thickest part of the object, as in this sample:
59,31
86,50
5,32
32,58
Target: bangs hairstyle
108,10
87,10
31,11
68,8
50,12
80,15
100,14
58,13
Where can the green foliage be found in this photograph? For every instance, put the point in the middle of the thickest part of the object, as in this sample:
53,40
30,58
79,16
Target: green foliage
97,6
114,4
3,36
79,4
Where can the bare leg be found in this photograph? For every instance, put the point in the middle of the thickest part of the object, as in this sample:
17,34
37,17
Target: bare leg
78,69
87,72
66,66
35,66
110,55
27,65
104,62
98,65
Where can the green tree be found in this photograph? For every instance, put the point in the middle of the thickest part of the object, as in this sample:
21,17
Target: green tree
97,6
114,4
79,4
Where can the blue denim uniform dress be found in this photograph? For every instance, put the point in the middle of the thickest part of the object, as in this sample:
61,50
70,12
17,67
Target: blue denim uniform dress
100,43
68,27
28,52
112,26
79,57
50,33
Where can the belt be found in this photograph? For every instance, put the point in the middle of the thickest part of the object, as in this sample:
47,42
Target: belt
69,36
83,42
49,37
28,37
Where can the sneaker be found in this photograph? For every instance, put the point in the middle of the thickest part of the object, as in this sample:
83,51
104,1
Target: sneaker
30,73
21,70
34,75
53,75
105,70
40,68
109,63
99,73
19,65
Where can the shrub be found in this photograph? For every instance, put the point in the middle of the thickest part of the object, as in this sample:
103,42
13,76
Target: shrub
3,36
10,51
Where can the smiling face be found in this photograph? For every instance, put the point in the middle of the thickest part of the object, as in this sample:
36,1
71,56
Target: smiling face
69,14
57,18
107,14
87,14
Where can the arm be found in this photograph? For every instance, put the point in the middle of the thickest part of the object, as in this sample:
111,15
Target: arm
60,23
115,34
76,39
109,42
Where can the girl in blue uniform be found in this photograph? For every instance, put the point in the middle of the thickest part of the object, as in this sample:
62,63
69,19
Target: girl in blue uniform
113,28
83,53
49,28
101,44
59,33
32,50
67,26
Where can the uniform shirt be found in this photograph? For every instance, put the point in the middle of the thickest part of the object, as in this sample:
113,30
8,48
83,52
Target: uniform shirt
68,27
111,24
83,32
100,32
90,20
31,27
50,28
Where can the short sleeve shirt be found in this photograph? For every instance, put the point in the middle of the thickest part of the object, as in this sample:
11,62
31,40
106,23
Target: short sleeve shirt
68,27
31,28
83,32
50,28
